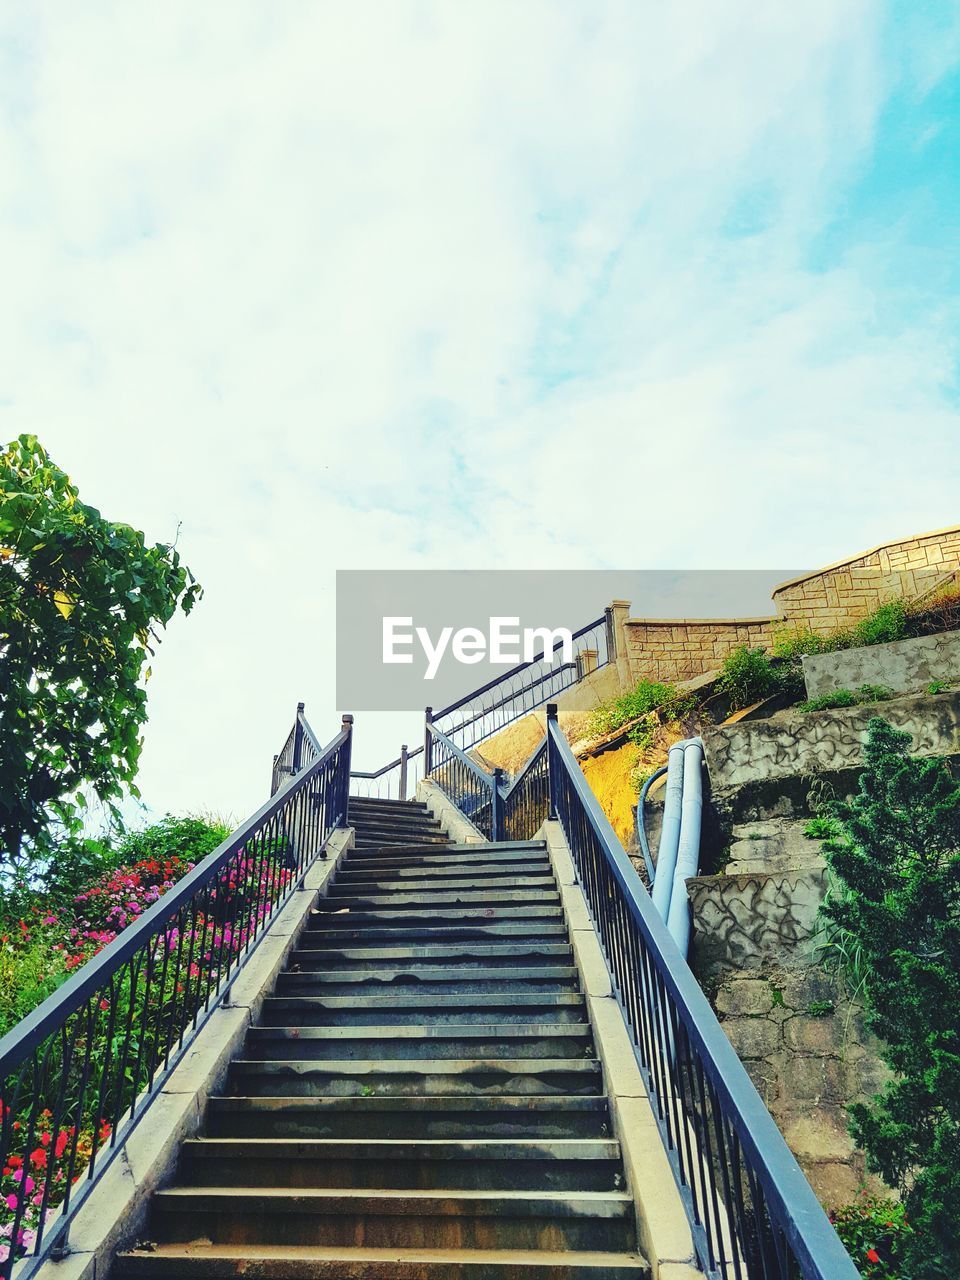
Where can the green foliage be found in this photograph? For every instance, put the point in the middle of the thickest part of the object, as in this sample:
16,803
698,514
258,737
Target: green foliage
647,697
81,599
848,698
897,863
938,686
820,1008
887,623
747,676
822,827
45,934
875,1232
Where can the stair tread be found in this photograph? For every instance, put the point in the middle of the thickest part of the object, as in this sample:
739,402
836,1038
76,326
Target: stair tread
411,1148
445,1031
402,1200
437,1102
291,1253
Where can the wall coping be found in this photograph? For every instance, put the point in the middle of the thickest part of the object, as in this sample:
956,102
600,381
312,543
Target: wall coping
862,555
699,622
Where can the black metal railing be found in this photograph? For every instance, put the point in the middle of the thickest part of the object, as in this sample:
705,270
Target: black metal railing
300,750
79,1071
475,792
526,801
752,1212
523,688
392,781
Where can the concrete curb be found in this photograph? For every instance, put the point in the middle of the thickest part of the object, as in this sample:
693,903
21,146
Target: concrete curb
662,1225
116,1212
456,825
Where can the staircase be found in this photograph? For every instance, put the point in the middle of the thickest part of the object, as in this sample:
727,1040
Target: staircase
421,1098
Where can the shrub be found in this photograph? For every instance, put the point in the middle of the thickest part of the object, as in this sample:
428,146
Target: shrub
747,676
648,696
874,1231
887,623
897,861
848,698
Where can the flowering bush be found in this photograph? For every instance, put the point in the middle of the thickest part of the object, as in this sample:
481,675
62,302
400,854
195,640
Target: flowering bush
874,1231
35,1184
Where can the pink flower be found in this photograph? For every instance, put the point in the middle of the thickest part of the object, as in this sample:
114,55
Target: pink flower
12,1202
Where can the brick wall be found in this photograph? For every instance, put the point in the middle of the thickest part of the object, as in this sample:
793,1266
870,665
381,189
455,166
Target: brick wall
678,649
844,592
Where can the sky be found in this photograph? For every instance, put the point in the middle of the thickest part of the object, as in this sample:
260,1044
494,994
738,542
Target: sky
470,284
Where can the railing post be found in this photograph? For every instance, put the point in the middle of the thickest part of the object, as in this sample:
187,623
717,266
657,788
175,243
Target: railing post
297,742
347,753
551,778
274,785
402,789
496,806
427,742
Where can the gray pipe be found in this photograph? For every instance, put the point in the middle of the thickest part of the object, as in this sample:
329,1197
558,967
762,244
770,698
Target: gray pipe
688,852
670,832
642,823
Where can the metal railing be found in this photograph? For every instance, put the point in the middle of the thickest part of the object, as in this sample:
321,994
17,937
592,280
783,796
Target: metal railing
752,1212
482,712
80,1070
475,792
526,801
509,697
392,781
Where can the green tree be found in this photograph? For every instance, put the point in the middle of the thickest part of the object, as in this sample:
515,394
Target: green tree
897,859
81,601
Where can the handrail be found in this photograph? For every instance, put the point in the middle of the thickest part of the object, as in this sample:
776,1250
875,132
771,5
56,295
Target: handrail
752,1212
475,792
90,1059
515,671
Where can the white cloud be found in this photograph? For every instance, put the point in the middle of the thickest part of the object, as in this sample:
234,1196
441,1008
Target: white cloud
445,284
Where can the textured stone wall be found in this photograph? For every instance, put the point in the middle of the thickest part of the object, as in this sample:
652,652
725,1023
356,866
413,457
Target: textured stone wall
832,597
805,1046
792,1023
824,741
823,601
680,649
903,666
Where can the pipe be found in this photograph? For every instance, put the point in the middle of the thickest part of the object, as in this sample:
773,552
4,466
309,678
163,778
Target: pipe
641,823
670,831
688,853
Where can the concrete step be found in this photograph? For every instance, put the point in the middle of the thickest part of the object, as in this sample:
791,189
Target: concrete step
571,1164
391,1010
345,917
484,847
443,862
511,952
430,886
396,1043
386,802
442,981
407,834
443,876
317,938
423,1078
212,1262
387,1218
440,1116
398,901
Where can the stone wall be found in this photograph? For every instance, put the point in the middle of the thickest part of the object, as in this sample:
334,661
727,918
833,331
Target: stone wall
804,1043
824,742
681,648
903,666
791,1021
831,598
823,601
